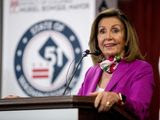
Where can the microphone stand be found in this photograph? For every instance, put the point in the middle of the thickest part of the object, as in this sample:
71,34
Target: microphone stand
84,55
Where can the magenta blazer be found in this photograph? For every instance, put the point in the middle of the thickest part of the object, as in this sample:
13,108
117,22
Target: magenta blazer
132,79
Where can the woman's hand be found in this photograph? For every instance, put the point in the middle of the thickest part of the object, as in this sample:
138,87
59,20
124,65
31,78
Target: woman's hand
11,96
105,100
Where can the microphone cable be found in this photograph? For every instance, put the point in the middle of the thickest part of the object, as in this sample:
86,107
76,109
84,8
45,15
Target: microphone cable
86,52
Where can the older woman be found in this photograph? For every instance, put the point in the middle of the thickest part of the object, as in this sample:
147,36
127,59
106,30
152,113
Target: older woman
119,75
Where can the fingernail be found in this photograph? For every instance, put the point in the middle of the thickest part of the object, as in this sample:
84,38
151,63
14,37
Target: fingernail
95,105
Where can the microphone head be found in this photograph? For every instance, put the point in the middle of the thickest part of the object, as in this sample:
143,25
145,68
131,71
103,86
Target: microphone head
97,52
87,51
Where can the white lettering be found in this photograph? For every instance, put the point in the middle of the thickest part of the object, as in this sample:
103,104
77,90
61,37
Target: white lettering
47,25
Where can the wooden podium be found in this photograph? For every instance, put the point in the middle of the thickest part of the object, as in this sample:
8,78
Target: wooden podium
84,105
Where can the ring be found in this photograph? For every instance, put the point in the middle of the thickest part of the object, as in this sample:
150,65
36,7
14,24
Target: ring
107,103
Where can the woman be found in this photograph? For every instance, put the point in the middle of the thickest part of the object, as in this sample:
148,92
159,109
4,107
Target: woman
119,75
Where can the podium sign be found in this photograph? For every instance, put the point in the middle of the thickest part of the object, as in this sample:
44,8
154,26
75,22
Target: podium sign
45,114
58,107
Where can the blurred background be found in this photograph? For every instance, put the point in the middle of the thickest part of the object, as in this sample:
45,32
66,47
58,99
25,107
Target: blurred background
39,39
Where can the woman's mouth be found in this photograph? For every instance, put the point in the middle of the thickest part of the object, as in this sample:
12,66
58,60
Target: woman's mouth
110,44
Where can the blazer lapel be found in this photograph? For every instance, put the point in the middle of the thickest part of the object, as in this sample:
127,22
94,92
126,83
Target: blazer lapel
117,75
96,74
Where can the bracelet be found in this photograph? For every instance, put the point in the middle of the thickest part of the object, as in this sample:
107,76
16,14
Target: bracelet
122,99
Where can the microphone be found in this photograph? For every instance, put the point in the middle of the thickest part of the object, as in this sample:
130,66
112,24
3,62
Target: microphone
86,52
96,53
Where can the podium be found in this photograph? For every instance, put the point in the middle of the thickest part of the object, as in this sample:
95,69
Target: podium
81,106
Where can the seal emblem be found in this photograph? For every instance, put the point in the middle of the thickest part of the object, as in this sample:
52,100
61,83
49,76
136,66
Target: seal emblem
43,56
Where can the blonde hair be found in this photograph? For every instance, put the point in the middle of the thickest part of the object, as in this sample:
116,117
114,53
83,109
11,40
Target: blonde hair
132,50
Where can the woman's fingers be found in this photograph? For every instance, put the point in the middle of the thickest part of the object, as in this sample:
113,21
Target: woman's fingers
98,99
108,105
11,96
105,100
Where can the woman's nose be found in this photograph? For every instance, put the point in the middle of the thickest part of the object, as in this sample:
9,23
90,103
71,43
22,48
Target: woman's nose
108,36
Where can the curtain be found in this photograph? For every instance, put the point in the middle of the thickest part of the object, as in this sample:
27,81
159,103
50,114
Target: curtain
145,16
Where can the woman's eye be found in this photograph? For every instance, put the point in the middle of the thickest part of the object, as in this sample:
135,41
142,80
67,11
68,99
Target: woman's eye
102,31
115,30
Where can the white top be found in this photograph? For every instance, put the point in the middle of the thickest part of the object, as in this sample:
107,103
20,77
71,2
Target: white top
98,89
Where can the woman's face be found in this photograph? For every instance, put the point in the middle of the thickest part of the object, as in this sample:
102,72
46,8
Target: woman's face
111,36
